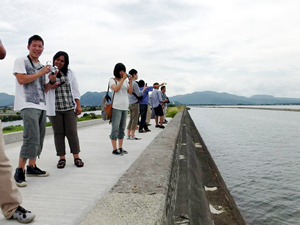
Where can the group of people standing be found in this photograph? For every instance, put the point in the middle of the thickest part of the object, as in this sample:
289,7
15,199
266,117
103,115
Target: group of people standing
133,95
53,91
50,90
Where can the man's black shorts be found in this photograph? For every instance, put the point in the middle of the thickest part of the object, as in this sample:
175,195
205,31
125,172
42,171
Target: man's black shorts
158,111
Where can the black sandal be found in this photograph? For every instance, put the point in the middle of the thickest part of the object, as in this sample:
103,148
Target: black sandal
78,162
61,164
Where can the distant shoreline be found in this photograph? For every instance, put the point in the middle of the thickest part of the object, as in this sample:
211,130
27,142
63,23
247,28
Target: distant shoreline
258,108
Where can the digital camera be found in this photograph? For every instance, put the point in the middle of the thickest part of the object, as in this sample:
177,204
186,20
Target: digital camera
53,69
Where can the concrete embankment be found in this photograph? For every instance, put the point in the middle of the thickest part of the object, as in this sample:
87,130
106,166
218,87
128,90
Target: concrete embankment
174,181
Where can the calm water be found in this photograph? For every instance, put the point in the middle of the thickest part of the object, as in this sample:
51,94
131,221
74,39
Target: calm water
258,155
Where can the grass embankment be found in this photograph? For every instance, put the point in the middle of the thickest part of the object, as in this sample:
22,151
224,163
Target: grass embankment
85,117
172,111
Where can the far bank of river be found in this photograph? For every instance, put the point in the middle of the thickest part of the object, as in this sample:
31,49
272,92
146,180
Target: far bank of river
20,122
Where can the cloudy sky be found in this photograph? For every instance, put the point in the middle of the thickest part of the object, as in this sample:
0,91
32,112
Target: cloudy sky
242,47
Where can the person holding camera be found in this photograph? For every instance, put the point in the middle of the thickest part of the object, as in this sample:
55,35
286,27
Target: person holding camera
10,197
63,107
134,106
30,100
120,89
165,100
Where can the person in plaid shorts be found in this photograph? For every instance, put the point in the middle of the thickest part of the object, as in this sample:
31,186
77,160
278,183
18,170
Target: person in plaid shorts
63,106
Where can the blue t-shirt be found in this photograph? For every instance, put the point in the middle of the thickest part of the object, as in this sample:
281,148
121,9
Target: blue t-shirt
145,99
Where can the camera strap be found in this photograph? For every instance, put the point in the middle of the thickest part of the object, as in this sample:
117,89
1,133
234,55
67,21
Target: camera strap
33,64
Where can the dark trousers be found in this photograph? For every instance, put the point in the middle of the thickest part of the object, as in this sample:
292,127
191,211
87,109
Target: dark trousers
64,124
143,111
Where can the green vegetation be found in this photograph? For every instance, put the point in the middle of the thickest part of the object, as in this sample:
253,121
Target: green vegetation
10,118
172,111
90,108
10,129
85,117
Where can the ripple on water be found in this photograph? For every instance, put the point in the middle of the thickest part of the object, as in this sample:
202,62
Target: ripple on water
257,153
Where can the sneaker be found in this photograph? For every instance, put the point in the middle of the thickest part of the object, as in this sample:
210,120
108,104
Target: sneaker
135,138
22,215
157,126
165,122
35,172
142,131
117,152
148,130
20,178
128,138
123,151
162,126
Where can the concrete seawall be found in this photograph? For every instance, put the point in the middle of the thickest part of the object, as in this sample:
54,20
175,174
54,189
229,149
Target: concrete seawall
174,181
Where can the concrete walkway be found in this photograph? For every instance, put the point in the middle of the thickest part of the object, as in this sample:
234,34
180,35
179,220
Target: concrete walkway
68,194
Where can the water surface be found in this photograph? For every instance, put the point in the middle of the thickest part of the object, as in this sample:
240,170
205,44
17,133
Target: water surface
258,155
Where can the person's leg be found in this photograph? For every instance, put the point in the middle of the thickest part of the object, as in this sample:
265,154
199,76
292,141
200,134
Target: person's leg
148,115
143,110
42,125
121,131
122,124
58,127
70,123
161,120
135,116
115,123
160,113
31,137
156,120
165,112
131,108
10,197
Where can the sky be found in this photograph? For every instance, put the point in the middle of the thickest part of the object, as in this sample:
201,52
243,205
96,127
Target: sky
242,47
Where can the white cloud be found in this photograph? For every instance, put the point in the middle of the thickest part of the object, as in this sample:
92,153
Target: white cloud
239,47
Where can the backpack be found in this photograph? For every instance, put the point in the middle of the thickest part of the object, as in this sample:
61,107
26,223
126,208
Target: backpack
106,105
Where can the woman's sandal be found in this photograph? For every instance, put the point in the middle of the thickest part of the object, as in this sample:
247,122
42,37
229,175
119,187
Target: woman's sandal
78,162
61,164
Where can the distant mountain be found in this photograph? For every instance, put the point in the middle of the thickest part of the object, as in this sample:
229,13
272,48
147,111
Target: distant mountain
6,99
210,97
92,98
205,97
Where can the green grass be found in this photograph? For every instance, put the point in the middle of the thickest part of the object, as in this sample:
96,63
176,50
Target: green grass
172,111
85,117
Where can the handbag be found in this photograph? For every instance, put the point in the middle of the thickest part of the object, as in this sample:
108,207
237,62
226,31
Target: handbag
107,112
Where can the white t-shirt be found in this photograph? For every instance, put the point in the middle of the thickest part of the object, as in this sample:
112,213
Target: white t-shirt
29,95
121,101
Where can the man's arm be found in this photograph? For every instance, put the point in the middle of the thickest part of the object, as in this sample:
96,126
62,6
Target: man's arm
2,51
28,78
136,89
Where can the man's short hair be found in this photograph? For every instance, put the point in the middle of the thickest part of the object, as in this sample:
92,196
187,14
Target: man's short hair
132,71
35,38
155,83
141,83
162,87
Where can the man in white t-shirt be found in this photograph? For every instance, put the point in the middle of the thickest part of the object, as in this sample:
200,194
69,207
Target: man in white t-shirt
30,100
